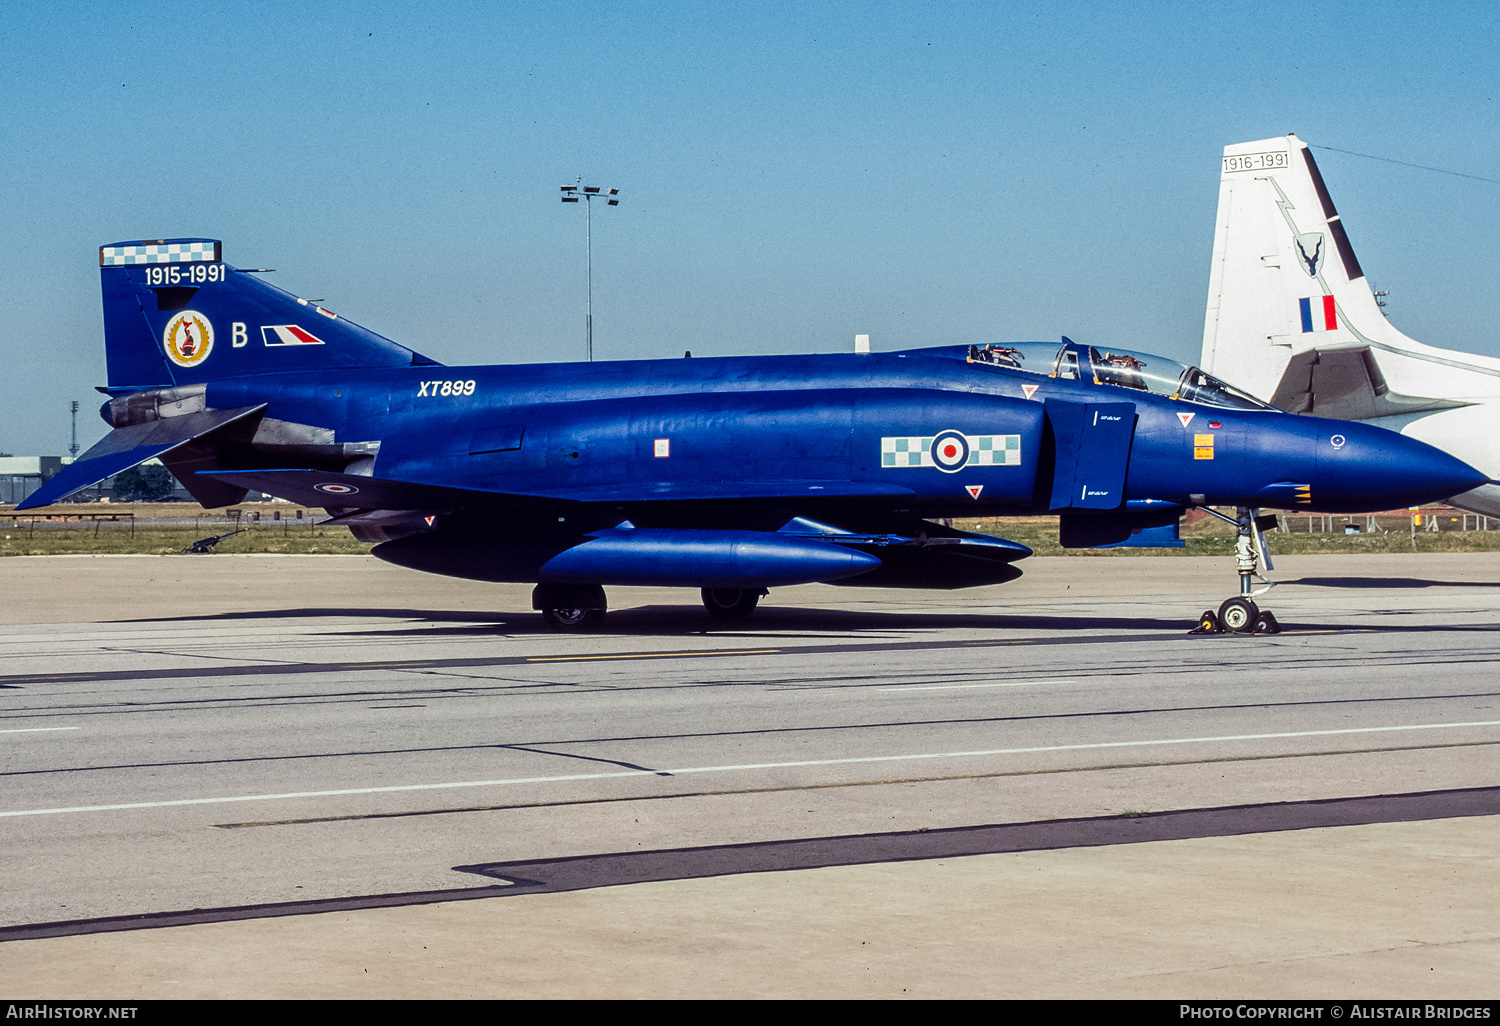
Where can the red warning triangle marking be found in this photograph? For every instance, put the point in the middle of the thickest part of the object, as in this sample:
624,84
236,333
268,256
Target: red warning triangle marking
429,520
1030,390
973,490
1186,418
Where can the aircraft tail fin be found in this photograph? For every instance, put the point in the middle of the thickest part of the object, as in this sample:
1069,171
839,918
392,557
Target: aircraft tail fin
176,314
1285,280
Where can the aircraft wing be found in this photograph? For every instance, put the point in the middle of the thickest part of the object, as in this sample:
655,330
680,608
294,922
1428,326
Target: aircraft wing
322,488
126,447
1345,383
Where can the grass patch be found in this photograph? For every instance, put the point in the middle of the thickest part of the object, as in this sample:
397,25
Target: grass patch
169,528
1209,536
116,539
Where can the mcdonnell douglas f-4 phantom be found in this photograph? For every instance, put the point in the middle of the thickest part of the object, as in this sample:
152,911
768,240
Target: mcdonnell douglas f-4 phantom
730,475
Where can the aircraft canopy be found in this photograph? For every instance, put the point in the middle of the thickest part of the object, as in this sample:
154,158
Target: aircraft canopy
1118,368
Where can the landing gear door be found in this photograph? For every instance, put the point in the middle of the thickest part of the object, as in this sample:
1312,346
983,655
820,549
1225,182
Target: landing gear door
1093,452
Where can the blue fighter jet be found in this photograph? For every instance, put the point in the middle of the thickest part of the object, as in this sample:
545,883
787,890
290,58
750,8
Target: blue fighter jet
730,475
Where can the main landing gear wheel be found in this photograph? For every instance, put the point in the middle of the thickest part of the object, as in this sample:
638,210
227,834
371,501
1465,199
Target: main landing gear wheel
570,608
573,621
731,603
1238,615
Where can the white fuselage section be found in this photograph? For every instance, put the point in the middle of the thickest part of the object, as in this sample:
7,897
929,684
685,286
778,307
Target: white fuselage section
1292,320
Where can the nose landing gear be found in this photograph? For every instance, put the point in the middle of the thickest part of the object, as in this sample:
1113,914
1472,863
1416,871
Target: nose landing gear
1240,615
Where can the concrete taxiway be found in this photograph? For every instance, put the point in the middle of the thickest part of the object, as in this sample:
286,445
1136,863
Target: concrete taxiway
293,776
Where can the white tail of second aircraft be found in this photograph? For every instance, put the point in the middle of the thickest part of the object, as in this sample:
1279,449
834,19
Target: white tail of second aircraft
1292,319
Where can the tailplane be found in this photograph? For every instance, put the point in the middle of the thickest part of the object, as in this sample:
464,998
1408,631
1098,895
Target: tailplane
176,314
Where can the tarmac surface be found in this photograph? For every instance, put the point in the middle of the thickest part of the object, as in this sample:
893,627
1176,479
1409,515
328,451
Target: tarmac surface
268,776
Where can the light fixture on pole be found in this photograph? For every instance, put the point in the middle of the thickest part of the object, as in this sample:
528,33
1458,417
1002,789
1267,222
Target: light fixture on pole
588,193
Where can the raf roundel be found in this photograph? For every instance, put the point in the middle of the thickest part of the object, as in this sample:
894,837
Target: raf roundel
950,451
336,489
188,338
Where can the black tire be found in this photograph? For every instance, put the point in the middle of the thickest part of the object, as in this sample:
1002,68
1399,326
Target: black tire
731,603
573,621
1238,615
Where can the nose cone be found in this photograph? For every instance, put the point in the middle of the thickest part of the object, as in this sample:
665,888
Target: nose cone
1362,468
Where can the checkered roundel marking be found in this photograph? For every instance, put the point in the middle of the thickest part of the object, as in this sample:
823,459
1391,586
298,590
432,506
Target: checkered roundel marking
951,451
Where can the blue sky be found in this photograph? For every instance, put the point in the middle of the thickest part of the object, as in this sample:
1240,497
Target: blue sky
791,173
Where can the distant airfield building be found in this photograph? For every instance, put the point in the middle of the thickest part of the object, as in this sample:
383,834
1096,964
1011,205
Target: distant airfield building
22,475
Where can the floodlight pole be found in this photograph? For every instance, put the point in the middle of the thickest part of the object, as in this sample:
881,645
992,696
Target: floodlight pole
588,249
571,194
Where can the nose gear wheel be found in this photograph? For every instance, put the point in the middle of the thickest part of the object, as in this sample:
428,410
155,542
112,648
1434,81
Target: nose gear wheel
1238,615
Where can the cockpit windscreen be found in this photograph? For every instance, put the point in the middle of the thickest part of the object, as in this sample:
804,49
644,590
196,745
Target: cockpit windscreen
1119,368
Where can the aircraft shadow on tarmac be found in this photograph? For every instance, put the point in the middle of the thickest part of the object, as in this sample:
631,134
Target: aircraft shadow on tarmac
787,621
772,622
691,621
1386,582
